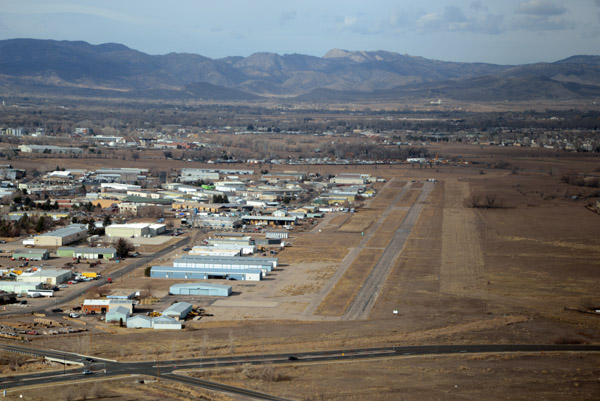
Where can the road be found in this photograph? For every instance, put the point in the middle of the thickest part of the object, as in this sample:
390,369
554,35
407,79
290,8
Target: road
104,368
80,289
365,299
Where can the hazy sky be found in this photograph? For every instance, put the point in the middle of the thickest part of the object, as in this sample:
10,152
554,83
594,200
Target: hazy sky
503,32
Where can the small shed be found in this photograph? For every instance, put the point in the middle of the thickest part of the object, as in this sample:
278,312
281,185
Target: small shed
166,323
120,313
31,254
139,322
215,290
178,310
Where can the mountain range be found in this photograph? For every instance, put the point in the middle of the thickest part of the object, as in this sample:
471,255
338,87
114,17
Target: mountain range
114,70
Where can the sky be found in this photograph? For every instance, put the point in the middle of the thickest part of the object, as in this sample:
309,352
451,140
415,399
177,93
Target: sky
501,32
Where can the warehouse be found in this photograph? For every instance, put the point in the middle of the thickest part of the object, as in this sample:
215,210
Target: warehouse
241,241
166,323
135,230
62,236
31,254
214,290
86,253
17,287
139,322
207,262
52,277
118,314
277,234
214,251
235,259
178,310
249,274
270,220
122,303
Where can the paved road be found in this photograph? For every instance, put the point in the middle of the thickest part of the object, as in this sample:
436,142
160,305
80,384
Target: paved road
353,254
81,288
365,299
170,369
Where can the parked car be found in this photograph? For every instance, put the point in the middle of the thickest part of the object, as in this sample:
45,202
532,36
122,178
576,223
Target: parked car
57,310
186,249
74,315
87,372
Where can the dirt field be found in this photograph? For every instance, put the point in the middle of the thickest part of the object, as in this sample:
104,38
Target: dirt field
473,377
465,275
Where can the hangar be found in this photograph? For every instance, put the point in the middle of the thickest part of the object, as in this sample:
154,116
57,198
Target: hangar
215,290
249,274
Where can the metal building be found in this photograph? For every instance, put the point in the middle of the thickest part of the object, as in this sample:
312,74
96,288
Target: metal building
178,310
214,290
249,274
31,254
49,276
86,253
117,314
139,322
62,236
166,323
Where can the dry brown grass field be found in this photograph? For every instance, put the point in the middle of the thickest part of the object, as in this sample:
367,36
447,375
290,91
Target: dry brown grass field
465,276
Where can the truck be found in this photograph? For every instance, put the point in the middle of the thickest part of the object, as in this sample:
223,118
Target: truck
91,274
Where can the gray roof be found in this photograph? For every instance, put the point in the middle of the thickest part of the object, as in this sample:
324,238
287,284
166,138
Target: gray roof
201,285
178,307
30,251
66,231
87,249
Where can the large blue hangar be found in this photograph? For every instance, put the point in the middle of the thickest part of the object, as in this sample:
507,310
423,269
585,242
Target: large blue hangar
213,290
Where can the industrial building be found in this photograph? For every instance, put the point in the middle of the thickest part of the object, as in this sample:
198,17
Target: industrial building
86,253
134,230
277,234
270,220
49,276
31,254
213,290
249,274
62,236
178,310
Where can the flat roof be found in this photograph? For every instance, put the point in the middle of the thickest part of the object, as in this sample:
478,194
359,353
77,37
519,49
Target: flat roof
103,302
45,273
131,225
30,251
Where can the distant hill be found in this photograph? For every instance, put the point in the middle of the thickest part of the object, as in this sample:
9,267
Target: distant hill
68,67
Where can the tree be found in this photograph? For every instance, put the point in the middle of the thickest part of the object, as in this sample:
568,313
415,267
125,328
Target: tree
107,221
123,247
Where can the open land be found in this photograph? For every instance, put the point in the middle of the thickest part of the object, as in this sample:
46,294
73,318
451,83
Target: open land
515,273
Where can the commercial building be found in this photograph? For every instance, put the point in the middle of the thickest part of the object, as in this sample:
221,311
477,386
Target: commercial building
208,250
31,254
86,253
92,306
134,230
208,289
49,276
62,236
